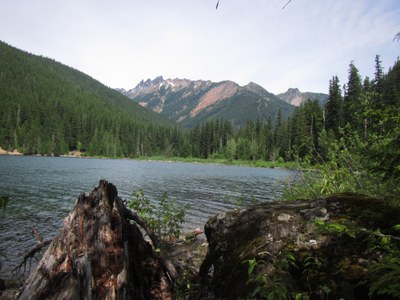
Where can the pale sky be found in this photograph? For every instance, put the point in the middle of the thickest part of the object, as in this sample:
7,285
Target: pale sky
120,42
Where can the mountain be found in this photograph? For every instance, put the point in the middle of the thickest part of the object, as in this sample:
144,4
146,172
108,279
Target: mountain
50,108
189,102
295,97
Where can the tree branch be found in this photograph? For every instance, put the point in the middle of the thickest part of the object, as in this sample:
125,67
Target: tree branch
167,264
31,254
131,215
286,4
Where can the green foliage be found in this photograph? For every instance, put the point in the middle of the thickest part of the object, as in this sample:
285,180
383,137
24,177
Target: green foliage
384,275
359,148
164,216
265,287
307,268
183,285
385,278
336,176
346,168
337,228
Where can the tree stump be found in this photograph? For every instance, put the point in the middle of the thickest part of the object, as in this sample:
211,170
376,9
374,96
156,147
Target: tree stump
99,254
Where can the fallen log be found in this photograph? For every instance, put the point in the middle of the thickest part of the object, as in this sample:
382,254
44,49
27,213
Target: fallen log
99,254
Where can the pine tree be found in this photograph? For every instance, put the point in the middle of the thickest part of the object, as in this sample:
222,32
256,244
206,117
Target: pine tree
378,81
352,99
391,88
195,141
334,107
279,132
269,140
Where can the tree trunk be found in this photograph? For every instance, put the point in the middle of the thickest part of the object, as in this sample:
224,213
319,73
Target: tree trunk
99,254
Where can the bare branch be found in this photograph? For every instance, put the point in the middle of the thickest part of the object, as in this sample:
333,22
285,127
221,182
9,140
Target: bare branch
286,4
216,7
31,254
397,37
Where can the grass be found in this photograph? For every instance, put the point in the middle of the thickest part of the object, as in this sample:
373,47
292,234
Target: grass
222,161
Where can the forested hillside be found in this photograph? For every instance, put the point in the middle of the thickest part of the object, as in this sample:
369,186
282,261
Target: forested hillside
49,108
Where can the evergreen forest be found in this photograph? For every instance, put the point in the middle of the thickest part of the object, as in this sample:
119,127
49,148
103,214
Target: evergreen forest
48,108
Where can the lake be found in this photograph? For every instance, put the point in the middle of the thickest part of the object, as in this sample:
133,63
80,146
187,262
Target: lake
43,190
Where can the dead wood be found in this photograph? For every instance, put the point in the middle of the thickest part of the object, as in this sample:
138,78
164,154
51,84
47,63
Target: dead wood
30,255
100,254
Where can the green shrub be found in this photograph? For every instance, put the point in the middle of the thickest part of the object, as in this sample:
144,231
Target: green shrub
385,277
164,216
264,286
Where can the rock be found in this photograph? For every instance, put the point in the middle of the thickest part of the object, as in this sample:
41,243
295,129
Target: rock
317,248
187,257
284,217
2,286
98,254
198,231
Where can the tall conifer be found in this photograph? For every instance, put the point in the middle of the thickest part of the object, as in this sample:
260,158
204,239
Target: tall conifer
352,99
334,107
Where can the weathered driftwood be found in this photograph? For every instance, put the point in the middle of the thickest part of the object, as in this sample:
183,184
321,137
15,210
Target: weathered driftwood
30,255
99,254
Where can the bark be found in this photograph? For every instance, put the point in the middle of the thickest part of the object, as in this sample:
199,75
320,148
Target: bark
99,254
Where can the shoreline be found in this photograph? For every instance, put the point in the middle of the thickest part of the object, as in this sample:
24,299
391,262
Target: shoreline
6,152
213,161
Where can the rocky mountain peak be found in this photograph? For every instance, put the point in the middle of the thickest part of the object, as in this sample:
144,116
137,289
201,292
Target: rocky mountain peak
295,97
293,91
148,83
256,88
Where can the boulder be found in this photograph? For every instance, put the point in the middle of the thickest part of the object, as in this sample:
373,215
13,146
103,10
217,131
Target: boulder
314,249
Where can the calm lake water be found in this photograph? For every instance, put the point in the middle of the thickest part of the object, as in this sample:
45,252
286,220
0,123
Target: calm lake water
43,190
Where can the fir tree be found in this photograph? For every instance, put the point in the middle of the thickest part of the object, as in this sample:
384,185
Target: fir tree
334,107
352,99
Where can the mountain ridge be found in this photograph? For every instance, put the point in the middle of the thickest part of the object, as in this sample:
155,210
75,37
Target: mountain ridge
191,102
295,97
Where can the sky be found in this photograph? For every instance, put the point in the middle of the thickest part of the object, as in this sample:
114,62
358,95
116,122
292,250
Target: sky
121,42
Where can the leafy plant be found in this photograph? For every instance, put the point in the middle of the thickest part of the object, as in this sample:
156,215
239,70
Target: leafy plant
385,277
265,287
183,286
342,171
164,216
336,228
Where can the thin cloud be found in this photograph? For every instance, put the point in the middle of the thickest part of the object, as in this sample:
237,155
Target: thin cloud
122,42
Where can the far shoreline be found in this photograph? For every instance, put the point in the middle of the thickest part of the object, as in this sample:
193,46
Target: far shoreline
211,161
